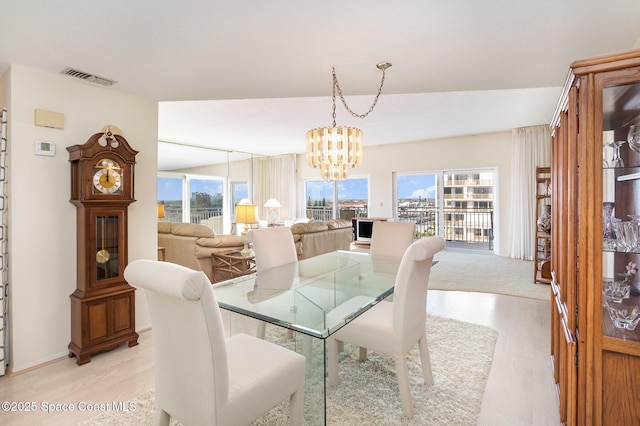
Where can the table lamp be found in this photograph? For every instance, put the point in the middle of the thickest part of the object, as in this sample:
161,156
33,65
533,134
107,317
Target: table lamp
273,206
245,213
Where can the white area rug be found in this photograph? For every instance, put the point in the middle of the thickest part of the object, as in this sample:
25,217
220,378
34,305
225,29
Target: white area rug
461,356
486,273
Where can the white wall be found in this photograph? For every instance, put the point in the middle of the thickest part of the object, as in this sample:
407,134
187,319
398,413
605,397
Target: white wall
42,227
491,150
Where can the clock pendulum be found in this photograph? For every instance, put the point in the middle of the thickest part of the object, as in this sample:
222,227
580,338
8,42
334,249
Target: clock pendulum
103,255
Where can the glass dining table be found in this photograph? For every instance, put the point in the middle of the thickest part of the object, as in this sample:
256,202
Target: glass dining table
313,298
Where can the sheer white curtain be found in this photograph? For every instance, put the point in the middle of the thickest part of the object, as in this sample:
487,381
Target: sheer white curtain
4,303
531,149
275,177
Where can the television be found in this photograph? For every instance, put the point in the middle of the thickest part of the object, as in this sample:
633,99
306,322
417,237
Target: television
364,229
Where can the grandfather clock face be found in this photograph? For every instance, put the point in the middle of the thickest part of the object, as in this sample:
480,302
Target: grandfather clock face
107,177
107,246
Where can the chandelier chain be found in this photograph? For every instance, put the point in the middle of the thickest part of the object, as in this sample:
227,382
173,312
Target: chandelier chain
336,85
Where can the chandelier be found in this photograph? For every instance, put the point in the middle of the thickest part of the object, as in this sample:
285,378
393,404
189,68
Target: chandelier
334,150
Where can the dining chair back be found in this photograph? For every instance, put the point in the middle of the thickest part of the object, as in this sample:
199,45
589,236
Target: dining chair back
394,328
391,239
273,246
201,376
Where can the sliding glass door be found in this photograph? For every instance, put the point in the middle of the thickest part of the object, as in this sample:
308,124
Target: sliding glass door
458,205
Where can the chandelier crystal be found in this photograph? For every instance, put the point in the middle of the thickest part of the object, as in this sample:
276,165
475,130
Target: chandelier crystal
334,150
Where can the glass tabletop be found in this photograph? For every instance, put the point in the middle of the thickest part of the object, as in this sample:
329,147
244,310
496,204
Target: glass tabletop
315,296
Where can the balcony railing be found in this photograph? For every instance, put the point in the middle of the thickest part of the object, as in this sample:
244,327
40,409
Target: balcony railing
345,212
469,196
468,182
211,217
471,225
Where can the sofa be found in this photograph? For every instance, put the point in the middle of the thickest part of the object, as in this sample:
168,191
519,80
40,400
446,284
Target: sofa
191,245
315,238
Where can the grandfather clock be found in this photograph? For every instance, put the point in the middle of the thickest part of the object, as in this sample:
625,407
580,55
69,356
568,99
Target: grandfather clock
103,304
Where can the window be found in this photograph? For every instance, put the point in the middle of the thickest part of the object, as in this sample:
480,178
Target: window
339,199
239,191
205,197
417,201
353,198
456,205
205,202
319,195
170,193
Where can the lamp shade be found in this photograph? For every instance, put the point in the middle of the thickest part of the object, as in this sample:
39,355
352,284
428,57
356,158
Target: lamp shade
161,211
272,203
246,213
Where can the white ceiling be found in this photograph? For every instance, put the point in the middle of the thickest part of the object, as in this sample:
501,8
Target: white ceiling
254,76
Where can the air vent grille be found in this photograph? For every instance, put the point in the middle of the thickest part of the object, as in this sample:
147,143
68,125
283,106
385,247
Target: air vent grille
87,77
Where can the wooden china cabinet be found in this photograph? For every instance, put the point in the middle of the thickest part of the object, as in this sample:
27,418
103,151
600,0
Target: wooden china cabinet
594,345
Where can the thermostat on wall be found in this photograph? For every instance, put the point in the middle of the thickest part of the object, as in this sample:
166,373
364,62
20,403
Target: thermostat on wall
45,148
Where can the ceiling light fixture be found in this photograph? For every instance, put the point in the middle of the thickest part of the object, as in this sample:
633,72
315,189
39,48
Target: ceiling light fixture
334,150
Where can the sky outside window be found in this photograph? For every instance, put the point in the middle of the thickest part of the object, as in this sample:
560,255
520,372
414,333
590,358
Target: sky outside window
169,189
207,186
416,186
409,186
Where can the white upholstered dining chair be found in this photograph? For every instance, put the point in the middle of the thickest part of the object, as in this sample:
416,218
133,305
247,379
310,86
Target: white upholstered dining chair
202,377
393,328
273,247
391,239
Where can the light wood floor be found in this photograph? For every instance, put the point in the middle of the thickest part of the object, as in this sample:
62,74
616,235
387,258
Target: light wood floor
519,391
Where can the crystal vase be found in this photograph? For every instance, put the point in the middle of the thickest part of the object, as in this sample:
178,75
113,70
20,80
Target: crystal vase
608,233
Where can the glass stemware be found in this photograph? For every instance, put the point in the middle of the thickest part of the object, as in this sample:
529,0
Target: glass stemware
633,137
616,161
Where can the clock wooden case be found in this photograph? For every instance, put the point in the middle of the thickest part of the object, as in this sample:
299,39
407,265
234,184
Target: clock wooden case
102,187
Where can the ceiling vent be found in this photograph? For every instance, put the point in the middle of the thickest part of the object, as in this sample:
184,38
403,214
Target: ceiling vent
87,77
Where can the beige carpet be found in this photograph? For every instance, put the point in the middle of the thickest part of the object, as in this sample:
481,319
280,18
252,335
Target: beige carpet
461,356
485,273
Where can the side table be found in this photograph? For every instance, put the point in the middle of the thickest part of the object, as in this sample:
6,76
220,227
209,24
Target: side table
232,264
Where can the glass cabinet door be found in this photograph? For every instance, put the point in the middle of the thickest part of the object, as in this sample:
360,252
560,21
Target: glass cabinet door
620,209
107,247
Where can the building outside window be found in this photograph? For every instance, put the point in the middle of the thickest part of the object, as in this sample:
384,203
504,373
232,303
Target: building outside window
456,205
